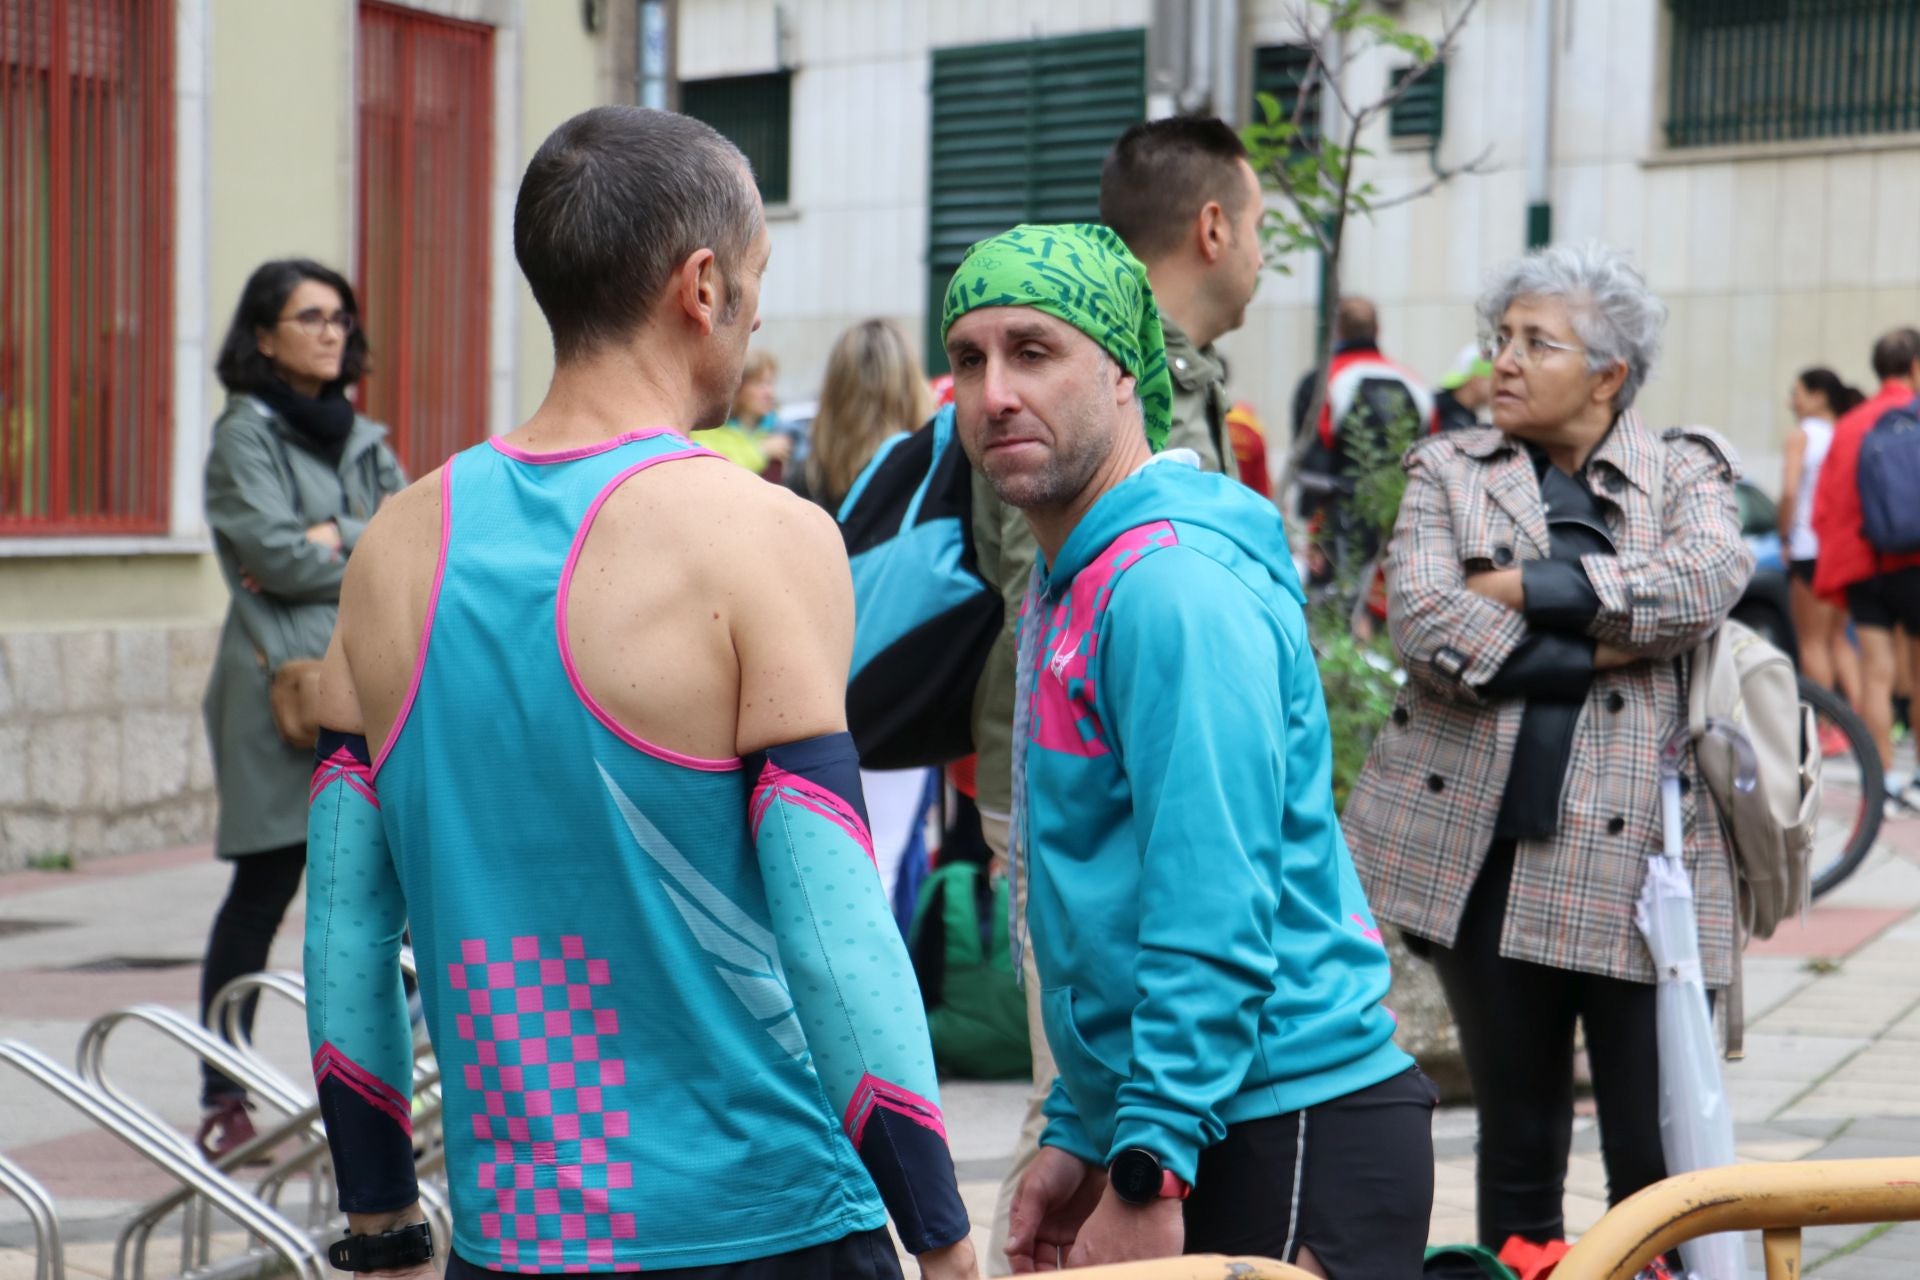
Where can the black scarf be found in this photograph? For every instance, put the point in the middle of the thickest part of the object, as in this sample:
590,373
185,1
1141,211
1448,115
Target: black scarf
323,422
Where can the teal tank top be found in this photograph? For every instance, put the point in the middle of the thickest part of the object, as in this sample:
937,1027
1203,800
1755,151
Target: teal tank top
612,1023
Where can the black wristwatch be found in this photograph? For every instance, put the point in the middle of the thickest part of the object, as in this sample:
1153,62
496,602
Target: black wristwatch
1138,1177
389,1251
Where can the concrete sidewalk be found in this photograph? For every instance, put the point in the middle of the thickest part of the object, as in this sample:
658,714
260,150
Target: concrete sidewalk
1833,1017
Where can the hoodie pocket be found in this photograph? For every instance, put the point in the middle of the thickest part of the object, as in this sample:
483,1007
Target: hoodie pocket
1091,1080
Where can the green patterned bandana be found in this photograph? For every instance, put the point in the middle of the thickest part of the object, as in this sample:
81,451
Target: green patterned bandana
1083,274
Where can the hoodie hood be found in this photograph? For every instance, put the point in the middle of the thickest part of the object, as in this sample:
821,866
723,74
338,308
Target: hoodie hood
1172,488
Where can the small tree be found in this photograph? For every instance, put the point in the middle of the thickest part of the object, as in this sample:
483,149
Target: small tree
1312,163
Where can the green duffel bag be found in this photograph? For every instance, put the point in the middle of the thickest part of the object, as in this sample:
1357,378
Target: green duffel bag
1464,1262
975,1010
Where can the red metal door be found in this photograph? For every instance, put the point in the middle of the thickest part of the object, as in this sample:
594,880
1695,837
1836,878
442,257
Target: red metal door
425,157
86,265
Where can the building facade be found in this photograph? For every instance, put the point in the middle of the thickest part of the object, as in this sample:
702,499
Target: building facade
1761,162
152,153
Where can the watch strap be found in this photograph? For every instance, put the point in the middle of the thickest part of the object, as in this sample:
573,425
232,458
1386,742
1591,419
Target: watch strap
1173,1186
407,1246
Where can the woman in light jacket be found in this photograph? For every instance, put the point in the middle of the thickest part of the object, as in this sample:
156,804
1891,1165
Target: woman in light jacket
1504,817
293,477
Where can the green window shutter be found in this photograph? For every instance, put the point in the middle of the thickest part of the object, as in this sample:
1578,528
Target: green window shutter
755,113
1743,71
1019,132
1281,70
1420,114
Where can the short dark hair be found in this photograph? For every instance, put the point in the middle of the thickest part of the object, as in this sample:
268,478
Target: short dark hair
1162,173
1896,353
616,199
1356,320
242,366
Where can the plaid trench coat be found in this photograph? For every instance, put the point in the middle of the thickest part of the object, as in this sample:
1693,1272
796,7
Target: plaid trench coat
1421,816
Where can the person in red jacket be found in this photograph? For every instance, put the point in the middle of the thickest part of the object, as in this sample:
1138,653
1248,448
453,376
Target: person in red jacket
1880,592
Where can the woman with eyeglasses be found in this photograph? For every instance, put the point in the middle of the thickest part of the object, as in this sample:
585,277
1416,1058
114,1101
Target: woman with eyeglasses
1544,574
293,477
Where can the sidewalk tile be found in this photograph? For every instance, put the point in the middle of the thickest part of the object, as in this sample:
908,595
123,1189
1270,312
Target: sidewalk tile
1775,1058
1829,931
1884,880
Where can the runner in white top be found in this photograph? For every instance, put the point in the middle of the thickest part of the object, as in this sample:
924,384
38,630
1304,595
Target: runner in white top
1817,397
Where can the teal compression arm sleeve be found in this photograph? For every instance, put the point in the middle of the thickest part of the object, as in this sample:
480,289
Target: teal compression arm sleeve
852,981
356,1008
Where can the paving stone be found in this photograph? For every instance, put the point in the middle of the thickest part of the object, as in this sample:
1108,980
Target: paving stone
33,663
1829,931
190,653
153,755
86,671
1770,981
1760,1101
13,750
1775,1058
57,763
1884,879
103,769
142,667
28,835
199,760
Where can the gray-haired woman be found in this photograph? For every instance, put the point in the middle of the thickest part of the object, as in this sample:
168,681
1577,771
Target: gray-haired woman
1538,600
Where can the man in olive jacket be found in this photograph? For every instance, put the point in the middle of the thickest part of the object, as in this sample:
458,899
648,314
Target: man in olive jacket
1181,194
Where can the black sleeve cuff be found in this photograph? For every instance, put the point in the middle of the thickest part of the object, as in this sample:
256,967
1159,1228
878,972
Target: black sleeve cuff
1547,664
372,1151
1557,595
913,1170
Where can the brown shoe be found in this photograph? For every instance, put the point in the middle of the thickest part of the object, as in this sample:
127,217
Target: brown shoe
225,1125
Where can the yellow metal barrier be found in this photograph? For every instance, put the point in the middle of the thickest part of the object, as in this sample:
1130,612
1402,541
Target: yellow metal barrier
1200,1266
1777,1200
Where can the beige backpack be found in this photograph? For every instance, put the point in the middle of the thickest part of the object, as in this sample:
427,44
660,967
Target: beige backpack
1736,678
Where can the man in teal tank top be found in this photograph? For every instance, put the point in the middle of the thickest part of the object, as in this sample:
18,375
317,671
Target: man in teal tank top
1211,978
584,744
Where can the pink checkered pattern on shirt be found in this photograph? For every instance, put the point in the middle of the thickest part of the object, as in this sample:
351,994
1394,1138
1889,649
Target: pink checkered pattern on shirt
544,1086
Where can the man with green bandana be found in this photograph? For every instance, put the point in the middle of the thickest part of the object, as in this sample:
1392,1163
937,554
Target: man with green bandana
1209,974
1182,197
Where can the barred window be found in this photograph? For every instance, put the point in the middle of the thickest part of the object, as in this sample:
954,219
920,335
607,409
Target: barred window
86,265
755,113
1746,71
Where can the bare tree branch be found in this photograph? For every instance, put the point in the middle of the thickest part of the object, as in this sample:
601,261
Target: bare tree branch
1441,176
1321,213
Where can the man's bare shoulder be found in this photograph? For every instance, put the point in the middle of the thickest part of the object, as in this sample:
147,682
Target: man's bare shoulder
723,517
406,523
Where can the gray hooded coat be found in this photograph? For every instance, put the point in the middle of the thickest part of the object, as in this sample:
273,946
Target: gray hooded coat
265,487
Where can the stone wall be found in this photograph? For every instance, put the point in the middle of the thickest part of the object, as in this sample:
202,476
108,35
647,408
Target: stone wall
102,747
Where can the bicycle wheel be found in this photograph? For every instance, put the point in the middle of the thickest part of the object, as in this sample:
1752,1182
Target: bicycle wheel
1853,789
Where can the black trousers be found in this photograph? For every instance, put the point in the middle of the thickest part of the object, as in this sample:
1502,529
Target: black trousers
1351,1180
864,1255
263,886
1516,1024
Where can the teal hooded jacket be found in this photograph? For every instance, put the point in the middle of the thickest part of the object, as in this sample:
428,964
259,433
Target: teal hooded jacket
1205,950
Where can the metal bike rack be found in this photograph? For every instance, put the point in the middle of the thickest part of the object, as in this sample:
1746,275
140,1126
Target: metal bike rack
172,1154
206,1186
243,1069
223,1012
49,1258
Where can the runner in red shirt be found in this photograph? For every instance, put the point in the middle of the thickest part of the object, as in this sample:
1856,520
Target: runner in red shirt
1879,592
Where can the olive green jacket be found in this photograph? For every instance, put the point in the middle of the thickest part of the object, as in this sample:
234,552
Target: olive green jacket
265,488
1006,551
